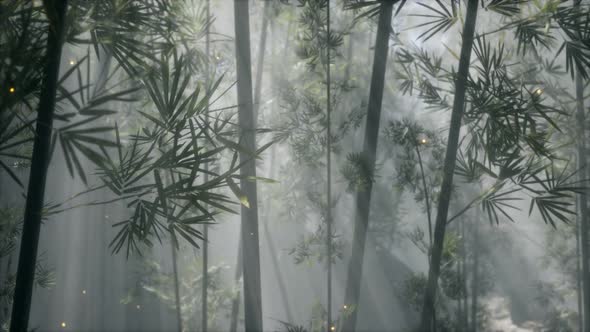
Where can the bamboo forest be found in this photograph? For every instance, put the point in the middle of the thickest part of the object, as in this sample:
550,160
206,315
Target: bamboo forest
295,165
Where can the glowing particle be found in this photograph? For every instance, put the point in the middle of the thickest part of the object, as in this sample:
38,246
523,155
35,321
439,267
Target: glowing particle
538,92
11,89
138,307
333,328
251,233
63,324
345,306
72,62
84,291
423,141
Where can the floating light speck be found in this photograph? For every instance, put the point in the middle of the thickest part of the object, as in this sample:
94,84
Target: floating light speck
345,306
333,328
11,89
423,141
84,292
63,324
72,62
138,307
538,92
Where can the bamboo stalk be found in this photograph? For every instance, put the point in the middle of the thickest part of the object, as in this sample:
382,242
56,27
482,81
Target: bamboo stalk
23,291
449,167
369,154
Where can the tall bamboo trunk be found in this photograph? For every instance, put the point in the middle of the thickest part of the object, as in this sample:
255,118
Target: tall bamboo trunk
271,245
363,198
579,278
236,301
173,243
475,279
268,215
205,277
205,272
465,294
349,57
582,201
260,61
250,247
328,174
583,173
272,252
23,291
449,167
6,308
428,210
100,282
3,273
176,289
235,310
459,312
426,197
278,275
257,104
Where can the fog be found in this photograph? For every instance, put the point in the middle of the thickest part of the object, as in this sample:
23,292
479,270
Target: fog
456,146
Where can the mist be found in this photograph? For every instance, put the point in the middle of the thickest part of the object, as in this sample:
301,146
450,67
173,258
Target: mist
294,165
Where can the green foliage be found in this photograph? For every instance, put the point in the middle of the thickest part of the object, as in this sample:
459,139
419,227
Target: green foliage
10,229
158,168
506,7
413,139
506,119
440,19
154,281
304,121
10,232
357,173
123,28
22,47
413,62
84,103
317,322
112,25
182,136
413,289
315,41
369,8
80,134
293,328
546,25
309,247
510,127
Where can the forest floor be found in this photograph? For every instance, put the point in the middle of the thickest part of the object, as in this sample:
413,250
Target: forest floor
500,319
